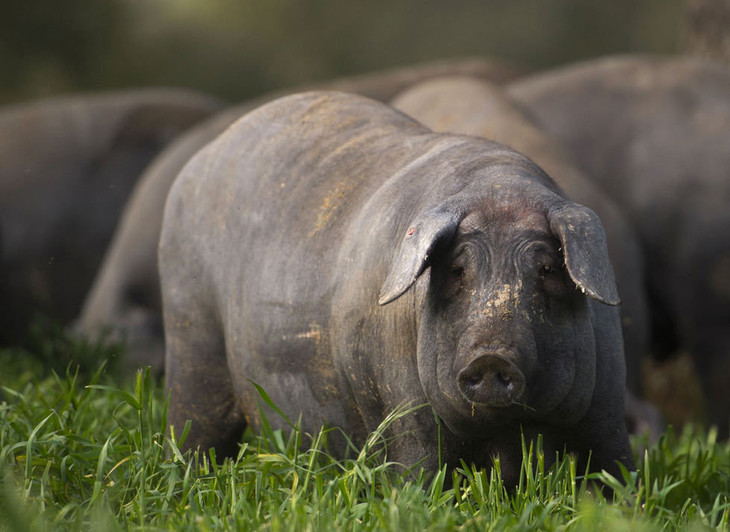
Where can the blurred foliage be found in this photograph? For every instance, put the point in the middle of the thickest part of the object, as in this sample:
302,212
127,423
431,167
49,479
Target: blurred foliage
50,46
238,48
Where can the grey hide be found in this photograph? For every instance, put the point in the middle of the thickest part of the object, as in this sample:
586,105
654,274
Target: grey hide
349,260
655,134
476,107
67,165
125,293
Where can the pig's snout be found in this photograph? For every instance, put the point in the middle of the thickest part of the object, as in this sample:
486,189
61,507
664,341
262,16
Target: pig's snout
492,380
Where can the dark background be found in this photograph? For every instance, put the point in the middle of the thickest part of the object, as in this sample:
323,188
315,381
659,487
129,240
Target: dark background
239,48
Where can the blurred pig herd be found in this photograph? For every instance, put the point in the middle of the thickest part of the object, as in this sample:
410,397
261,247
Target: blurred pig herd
644,141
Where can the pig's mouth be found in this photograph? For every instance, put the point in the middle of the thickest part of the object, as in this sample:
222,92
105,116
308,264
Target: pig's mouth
499,413
480,421
470,418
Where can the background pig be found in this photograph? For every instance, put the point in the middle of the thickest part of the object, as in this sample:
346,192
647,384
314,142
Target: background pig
476,107
654,132
126,293
349,260
66,168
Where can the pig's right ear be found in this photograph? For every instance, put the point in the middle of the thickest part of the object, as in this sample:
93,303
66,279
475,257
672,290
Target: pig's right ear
428,229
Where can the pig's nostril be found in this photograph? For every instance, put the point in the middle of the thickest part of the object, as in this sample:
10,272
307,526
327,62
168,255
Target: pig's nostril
504,379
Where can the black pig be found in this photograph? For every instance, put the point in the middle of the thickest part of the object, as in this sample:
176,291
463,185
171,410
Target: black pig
67,165
349,260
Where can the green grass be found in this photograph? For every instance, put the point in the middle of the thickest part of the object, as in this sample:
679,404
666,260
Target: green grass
78,451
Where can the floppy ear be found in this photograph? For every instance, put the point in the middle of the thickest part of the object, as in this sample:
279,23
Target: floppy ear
424,234
584,247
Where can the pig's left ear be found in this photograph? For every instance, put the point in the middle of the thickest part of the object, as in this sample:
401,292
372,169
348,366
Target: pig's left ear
426,231
584,247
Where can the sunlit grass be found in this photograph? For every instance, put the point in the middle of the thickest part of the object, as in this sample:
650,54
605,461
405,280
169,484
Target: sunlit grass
80,452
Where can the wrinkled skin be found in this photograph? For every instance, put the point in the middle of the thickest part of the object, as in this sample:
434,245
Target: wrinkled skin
654,133
66,168
125,293
475,107
349,260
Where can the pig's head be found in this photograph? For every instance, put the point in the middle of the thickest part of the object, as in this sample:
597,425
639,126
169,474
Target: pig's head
504,325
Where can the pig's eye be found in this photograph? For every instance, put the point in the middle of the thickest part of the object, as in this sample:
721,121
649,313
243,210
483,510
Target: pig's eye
454,274
456,270
552,279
